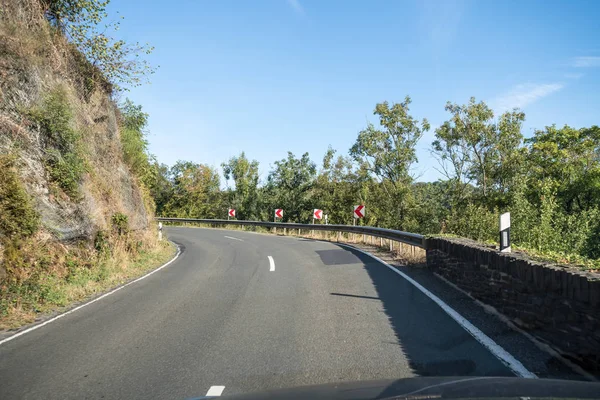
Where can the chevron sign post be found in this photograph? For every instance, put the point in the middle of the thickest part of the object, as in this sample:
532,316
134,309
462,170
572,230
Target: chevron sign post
317,214
230,213
359,211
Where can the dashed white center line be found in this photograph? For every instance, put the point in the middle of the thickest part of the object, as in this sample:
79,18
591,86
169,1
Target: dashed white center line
215,390
271,264
233,238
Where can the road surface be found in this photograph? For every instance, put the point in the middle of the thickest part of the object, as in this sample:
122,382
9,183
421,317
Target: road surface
249,312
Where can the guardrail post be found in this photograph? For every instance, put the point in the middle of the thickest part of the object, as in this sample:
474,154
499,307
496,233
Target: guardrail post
391,245
380,242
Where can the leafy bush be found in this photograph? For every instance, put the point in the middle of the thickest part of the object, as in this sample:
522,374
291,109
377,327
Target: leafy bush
133,138
66,170
475,222
101,243
64,159
120,223
18,217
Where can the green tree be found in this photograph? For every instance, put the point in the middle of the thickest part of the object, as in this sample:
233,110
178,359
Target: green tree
389,152
337,188
473,147
244,198
289,186
133,123
160,185
196,192
82,21
431,207
568,159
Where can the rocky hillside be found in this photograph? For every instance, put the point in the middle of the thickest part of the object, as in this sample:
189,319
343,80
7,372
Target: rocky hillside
65,183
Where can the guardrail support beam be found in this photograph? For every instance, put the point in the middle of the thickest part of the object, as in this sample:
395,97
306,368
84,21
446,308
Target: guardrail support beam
392,235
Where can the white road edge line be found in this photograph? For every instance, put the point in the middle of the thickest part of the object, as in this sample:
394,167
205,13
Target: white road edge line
271,264
215,390
33,328
505,357
233,238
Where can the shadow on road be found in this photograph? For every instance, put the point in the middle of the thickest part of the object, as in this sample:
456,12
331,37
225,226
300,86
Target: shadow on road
434,344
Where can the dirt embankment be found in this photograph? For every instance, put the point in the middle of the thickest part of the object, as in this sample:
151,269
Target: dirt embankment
70,207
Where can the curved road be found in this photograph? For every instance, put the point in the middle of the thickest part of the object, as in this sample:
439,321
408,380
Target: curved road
220,315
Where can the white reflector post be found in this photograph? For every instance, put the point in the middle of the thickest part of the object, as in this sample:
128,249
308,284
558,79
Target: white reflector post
505,233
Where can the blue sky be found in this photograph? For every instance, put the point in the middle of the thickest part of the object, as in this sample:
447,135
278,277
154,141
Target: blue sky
266,77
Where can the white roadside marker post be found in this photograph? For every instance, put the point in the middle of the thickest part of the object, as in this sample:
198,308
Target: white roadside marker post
505,233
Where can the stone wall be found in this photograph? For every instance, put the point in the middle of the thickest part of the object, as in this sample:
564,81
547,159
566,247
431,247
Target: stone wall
557,304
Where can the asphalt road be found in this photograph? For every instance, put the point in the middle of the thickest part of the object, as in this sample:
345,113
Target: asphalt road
219,315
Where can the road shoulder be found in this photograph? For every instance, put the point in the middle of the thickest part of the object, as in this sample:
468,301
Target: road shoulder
528,352
49,317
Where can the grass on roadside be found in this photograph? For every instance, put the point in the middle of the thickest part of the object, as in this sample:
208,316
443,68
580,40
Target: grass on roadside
58,276
554,257
570,260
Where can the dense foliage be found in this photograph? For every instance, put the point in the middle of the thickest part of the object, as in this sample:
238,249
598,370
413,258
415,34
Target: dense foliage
64,160
550,182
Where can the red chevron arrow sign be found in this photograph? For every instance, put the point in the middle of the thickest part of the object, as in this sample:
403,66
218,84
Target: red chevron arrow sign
359,211
231,212
317,214
279,213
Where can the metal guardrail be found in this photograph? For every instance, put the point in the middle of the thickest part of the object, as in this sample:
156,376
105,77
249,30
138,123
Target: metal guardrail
405,237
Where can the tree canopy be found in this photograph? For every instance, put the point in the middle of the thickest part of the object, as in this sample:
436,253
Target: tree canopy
83,22
549,182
